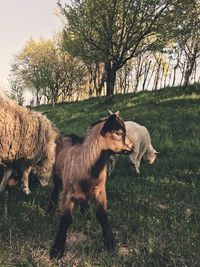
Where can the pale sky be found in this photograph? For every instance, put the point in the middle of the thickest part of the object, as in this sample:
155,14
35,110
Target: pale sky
21,20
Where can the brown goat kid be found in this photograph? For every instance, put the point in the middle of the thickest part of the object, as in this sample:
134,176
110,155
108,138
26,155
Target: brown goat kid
82,170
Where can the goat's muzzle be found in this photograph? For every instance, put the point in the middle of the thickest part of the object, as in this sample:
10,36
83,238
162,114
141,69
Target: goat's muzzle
128,146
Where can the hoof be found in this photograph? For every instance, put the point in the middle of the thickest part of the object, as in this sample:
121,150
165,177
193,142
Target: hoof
26,190
56,252
109,242
109,245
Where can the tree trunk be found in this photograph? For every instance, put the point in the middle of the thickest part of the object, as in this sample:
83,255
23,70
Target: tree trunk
101,84
138,72
174,78
90,93
110,80
166,74
54,99
189,69
157,75
146,72
195,72
38,98
182,73
150,78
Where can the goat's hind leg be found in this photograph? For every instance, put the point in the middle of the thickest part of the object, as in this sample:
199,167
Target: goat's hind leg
57,187
58,247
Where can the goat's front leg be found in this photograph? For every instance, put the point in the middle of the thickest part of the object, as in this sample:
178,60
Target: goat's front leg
58,246
102,217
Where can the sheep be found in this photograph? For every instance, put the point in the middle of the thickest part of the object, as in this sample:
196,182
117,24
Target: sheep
27,140
81,169
143,148
11,170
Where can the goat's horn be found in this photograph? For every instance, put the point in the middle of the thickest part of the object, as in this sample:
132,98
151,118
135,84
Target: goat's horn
109,112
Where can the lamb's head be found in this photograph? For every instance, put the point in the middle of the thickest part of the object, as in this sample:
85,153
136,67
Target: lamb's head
42,172
150,155
114,135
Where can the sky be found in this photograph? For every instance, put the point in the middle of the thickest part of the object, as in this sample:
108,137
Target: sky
21,20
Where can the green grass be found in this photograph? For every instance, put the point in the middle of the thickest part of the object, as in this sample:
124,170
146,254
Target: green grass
155,216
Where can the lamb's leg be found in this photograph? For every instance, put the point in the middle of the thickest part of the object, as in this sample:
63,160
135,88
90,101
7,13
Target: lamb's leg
25,181
137,166
133,158
138,162
111,165
58,247
7,173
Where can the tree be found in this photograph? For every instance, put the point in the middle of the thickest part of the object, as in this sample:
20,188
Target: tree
16,90
114,31
31,65
47,70
185,32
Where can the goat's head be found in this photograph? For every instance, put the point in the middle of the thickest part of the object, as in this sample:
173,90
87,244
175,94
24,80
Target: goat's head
114,134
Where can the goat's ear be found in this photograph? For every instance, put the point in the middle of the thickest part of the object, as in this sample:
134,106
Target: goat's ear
109,124
109,112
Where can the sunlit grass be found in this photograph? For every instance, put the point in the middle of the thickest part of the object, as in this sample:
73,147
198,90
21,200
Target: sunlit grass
155,216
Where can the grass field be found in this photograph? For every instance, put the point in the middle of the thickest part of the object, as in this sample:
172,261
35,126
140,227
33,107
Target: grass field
155,216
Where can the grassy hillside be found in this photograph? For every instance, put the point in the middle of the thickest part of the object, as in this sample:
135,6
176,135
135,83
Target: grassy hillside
155,216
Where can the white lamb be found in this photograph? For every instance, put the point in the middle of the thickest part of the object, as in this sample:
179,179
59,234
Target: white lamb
143,148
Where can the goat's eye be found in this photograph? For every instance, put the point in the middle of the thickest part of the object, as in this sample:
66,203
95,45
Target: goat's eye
119,133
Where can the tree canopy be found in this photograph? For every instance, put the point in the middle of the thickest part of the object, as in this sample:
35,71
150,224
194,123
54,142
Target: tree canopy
43,67
115,31
112,46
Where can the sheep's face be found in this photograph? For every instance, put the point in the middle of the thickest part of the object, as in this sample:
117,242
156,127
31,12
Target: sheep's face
150,156
114,134
42,173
